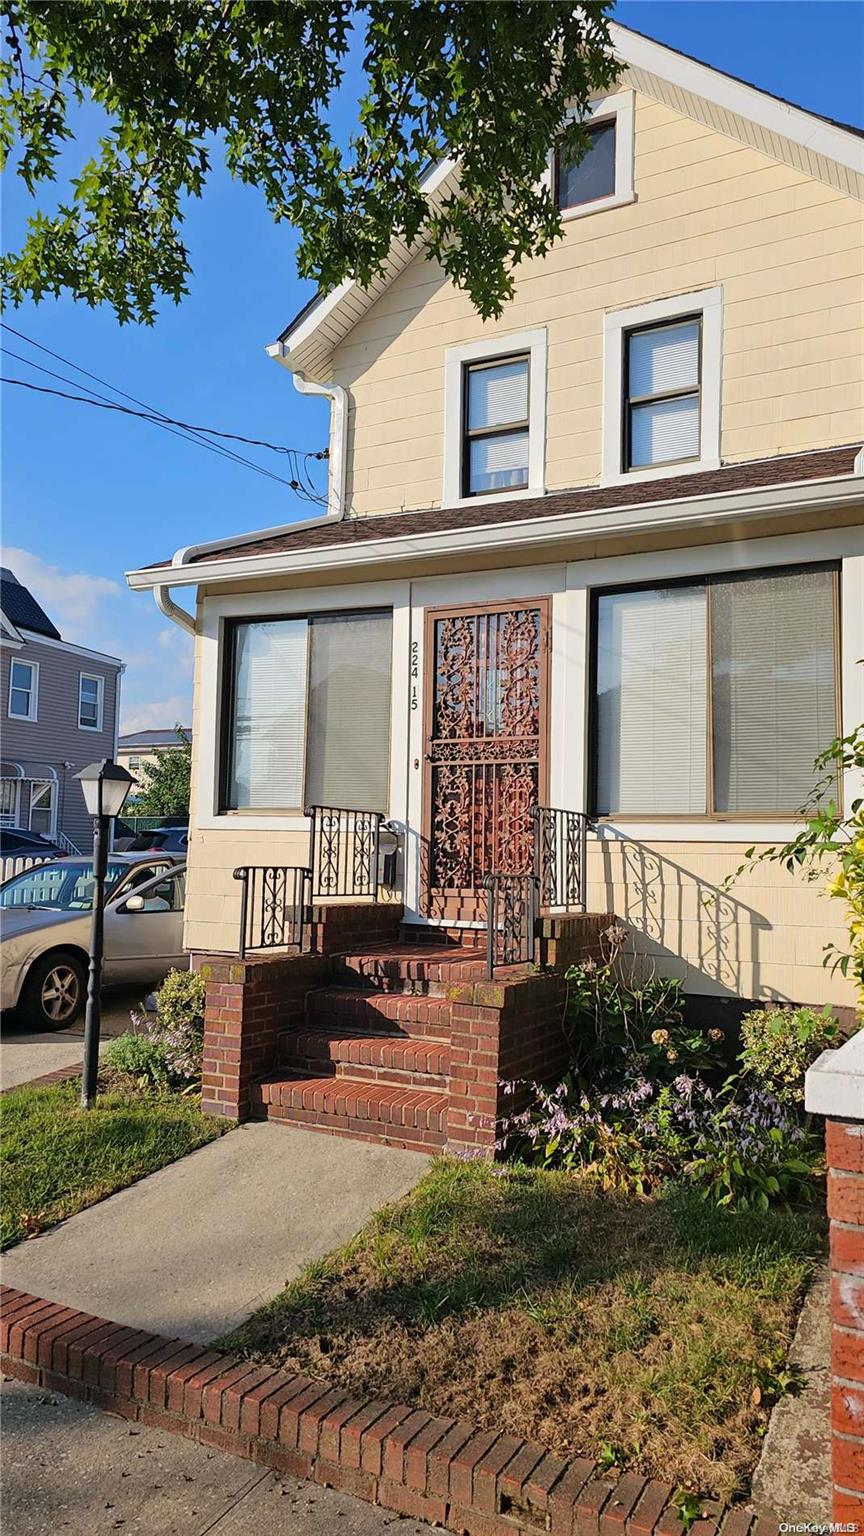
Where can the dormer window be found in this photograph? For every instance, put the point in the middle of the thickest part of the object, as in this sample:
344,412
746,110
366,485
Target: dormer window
495,415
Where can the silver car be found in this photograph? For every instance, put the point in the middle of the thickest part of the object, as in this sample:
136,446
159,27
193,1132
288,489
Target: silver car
45,916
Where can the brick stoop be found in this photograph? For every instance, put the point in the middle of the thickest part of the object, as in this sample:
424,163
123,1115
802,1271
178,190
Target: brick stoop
475,1482
401,1039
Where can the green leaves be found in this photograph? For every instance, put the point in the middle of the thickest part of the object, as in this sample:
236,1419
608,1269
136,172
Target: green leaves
486,83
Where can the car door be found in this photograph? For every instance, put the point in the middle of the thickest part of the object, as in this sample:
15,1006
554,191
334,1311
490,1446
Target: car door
144,929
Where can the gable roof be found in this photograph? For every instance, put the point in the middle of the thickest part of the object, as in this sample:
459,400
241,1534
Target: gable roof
814,145
21,609
157,738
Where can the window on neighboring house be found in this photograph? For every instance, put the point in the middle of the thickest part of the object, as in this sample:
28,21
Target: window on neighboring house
661,387
23,689
42,807
495,426
10,790
308,713
714,697
90,696
591,177
661,394
134,764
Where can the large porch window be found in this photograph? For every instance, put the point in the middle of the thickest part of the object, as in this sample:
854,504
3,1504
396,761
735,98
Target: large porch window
307,712
714,697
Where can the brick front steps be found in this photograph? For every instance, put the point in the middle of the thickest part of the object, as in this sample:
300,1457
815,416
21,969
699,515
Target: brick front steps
423,968
475,1482
388,1113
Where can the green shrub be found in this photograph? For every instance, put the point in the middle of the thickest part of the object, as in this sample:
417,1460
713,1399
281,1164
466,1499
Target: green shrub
177,1031
141,1057
779,1044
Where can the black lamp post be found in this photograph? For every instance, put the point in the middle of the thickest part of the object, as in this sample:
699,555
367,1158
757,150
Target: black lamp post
105,786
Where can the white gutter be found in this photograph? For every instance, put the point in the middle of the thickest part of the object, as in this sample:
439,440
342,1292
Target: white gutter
470,541
337,469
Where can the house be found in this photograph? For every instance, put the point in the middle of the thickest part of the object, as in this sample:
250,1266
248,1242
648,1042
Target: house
603,557
60,711
137,749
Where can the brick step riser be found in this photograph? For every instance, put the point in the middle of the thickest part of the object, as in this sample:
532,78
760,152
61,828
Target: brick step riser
405,1137
411,977
395,1077
385,1014
357,1103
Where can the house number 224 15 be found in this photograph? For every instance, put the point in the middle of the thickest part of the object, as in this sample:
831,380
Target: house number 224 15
415,672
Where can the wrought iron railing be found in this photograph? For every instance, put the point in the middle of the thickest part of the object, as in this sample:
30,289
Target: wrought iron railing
512,909
344,851
560,856
274,906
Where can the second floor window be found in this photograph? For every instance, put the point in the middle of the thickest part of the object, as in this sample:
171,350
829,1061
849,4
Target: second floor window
495,426
90,702
23,690
662,390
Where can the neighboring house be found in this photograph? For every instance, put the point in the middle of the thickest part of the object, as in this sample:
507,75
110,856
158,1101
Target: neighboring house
137,749
59,712
605,553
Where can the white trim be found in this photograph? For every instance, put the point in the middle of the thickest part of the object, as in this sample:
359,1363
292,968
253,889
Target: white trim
620,107
535,343
33,636
708,303
779,117
32,716
251,605
9,635
471,542
98,679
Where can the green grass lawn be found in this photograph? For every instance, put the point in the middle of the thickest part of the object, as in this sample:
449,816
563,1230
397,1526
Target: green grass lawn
651,1334
56,1158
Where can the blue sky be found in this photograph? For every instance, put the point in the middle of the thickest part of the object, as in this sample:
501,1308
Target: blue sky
88,495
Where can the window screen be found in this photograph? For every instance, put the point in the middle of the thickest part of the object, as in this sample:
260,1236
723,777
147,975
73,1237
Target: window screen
663,394
348,751
594,175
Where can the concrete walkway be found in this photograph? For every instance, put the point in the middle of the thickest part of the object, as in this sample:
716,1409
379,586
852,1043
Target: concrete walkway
67,1468
26,1053
191,1250
794,1471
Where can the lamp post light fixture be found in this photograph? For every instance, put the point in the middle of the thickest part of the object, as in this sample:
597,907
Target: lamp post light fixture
105,786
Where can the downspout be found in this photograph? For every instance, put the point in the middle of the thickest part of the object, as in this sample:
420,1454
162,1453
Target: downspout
336,481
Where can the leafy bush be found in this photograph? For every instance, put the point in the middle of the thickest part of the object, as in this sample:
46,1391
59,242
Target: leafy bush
779,1044
175,1036
139,1056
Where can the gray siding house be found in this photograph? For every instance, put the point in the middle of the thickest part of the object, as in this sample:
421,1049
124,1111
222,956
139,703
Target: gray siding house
59,711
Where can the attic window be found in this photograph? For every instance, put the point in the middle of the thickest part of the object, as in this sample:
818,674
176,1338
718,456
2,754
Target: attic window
603,178
593,176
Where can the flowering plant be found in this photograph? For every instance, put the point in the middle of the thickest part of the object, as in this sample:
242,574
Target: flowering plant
175,1036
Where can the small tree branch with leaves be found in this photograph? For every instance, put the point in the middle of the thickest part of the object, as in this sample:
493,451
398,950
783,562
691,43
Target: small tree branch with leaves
180,83
165,782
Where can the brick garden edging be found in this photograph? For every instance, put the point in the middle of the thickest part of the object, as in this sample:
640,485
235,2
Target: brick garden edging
476,1482
60,1075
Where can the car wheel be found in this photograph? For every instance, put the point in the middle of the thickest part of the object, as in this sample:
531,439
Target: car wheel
55,991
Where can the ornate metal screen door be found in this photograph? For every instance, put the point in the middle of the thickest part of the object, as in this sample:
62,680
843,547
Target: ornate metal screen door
486,747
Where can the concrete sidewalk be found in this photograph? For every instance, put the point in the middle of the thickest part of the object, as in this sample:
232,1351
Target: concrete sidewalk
191,1250
69,1468
26,1053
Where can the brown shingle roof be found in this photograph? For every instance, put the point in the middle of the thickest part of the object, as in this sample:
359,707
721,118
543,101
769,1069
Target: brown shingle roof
753,475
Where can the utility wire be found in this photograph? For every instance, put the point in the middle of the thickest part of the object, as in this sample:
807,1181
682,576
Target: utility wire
302,482
225,453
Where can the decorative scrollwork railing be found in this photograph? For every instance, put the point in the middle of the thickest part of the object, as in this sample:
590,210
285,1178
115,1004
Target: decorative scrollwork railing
512,909
560,857
274,906
344,851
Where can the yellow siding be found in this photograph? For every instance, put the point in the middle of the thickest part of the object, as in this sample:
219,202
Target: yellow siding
788,251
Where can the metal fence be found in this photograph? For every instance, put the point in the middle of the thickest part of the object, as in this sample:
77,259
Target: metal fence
344,851
512,909
274,906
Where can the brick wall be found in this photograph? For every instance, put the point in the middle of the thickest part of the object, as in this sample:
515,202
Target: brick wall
845,1154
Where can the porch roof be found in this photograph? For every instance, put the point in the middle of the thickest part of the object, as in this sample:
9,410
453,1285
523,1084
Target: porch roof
758,474
33,773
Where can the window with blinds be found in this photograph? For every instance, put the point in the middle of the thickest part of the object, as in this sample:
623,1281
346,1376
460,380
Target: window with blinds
495,426
591,177
662,389
714,698
308,713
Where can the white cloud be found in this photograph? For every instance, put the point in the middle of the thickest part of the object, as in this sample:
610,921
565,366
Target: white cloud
160,714
180,647
73,600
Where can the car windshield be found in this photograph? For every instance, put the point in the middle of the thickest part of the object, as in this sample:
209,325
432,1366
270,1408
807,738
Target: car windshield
58,887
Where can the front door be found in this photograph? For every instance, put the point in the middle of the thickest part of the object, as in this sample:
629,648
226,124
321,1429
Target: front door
486,747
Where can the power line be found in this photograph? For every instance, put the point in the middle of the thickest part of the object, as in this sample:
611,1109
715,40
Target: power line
186,437
302,482
160,420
